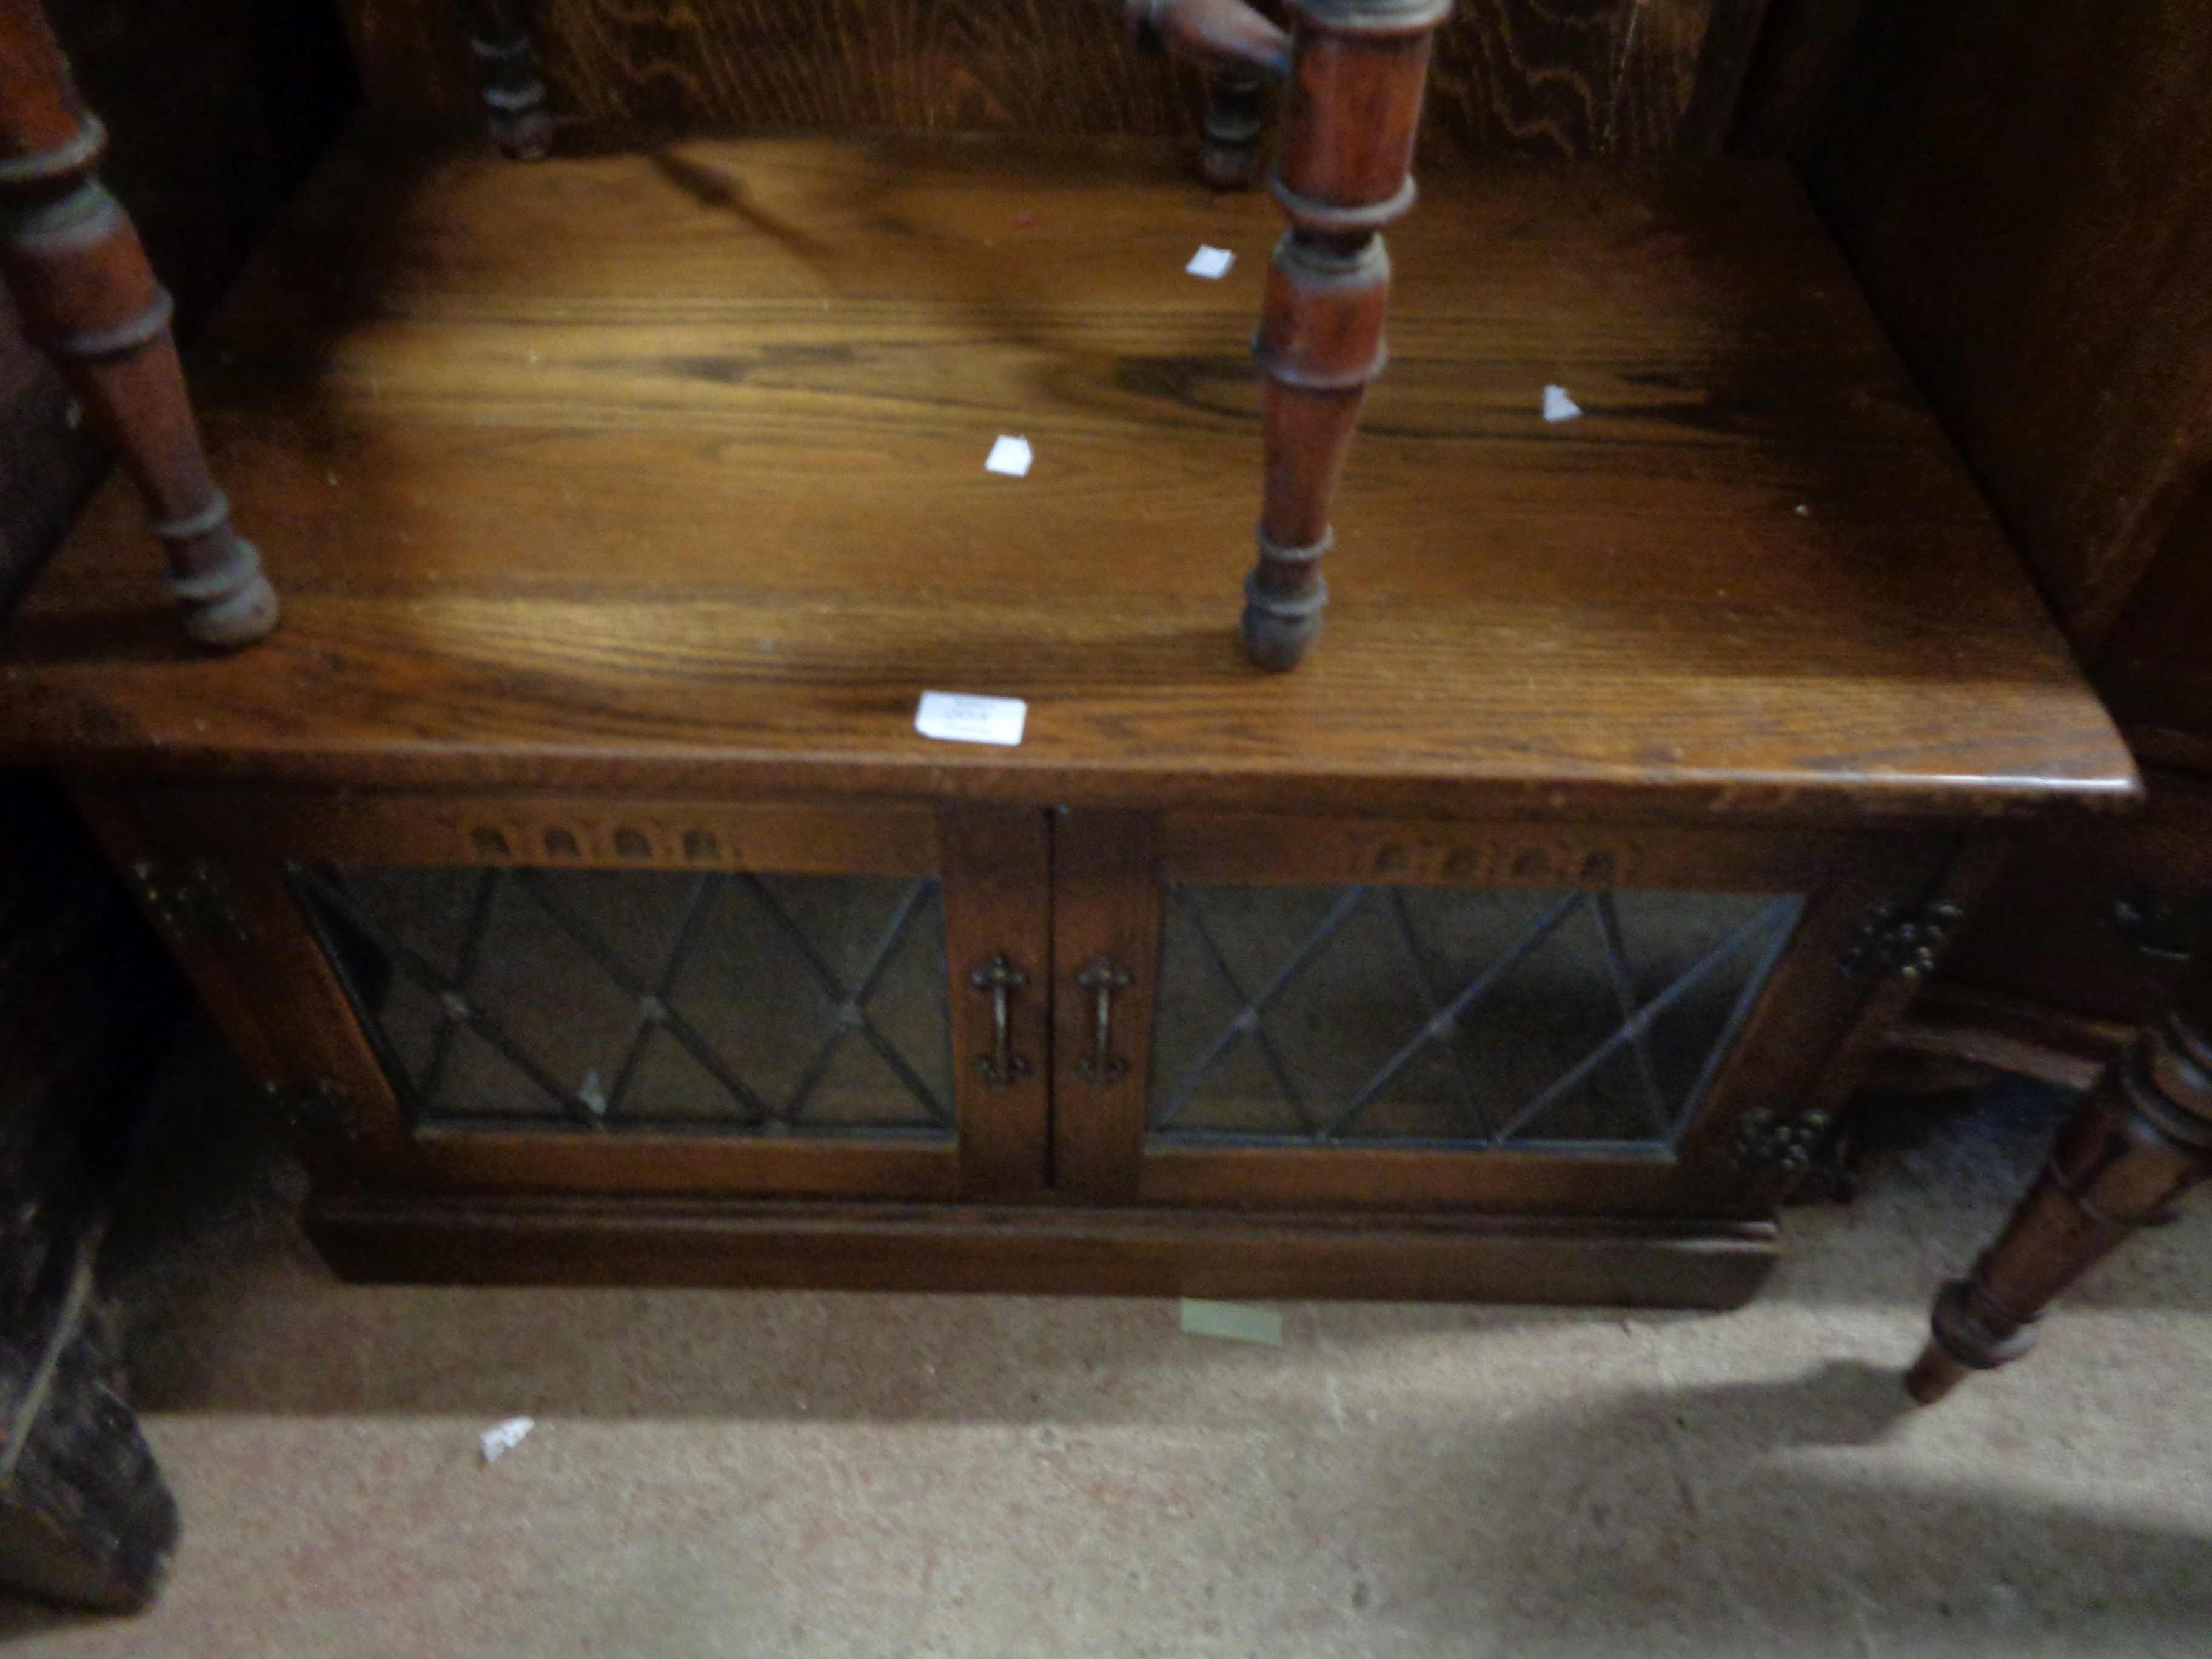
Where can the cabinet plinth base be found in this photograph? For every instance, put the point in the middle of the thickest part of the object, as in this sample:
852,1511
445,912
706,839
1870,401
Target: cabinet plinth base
1672,1263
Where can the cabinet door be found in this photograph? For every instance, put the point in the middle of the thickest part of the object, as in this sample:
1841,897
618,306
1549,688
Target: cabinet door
572,994
1514,1017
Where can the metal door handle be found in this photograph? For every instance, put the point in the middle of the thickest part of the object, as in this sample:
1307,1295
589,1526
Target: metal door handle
999,979
1103,1068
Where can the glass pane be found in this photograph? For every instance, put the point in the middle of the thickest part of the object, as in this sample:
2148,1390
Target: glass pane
613,999
1444,1016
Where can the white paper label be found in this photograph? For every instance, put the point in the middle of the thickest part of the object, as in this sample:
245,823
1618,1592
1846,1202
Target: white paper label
1010,456
1210,263
1557,406
958,717
497,1442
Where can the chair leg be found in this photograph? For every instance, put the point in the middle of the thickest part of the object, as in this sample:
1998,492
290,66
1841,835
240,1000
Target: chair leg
1230,159
1358,68
516,114
89,300
1241,50
2137,1143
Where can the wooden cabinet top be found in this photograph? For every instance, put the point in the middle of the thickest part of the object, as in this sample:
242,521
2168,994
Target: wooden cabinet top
665,470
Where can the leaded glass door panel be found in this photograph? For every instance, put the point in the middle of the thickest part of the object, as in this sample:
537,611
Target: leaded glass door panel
764,998
726,1002
1401,1016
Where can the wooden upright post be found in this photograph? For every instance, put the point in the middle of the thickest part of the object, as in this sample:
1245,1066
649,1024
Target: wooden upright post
89,300
2139,1141
1357,70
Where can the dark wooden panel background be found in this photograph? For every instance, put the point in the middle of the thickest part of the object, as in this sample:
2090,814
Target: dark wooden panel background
1548,77
2026,192
2156,669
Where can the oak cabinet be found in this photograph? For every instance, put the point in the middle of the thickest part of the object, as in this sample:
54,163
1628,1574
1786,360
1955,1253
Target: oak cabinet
1460,1030
570,867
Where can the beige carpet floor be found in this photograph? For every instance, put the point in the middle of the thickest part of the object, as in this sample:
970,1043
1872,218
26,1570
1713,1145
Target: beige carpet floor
750,1473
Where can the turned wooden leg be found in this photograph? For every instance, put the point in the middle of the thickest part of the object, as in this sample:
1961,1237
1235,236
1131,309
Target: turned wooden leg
1357,74
1234,100
516,111
89,300
2141,1140
1241,51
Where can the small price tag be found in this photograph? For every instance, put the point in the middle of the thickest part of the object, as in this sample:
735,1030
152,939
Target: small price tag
1011,457
959,717
1210,263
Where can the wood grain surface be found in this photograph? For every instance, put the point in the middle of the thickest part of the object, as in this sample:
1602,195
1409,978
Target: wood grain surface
1106,906
1542,78
664,472
997,904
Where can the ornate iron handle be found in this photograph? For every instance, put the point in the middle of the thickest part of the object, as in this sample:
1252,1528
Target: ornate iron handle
999,979
1103,1068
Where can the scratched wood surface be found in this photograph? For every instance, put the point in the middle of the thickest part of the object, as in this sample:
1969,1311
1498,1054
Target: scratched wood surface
1548,77
665,470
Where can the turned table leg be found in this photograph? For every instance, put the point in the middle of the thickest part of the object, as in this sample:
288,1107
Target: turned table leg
2139,1142
89,300
1357,70
516,114
1241,50
1234,99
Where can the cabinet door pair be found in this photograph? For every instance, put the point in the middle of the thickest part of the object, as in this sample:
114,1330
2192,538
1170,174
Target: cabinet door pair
931,1002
